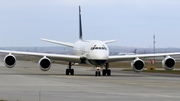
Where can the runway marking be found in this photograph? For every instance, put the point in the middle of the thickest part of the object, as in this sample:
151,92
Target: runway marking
150,85
163,86
66,76
131,83
55,76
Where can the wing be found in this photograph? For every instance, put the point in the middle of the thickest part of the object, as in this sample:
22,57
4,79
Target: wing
109,41
132,57
68,58
57,42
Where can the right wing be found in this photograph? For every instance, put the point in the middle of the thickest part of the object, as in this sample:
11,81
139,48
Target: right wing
109,41
68,58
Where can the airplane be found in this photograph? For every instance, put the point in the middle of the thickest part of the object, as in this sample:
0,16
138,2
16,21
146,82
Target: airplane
133,53
93,52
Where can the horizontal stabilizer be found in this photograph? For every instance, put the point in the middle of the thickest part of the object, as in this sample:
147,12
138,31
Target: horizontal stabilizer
60,43
109,41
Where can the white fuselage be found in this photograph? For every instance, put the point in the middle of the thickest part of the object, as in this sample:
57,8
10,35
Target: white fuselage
95,52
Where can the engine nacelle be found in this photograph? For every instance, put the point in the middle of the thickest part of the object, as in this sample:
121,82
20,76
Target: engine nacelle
10,61
44,63
168,63
137,65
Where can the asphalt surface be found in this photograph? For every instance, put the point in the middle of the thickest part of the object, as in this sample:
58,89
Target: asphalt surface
25,82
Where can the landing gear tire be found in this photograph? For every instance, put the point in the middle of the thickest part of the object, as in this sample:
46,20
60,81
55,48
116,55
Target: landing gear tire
72,71
106,72
69,71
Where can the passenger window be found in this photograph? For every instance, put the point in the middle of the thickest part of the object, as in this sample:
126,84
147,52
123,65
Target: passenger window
99,47
96,48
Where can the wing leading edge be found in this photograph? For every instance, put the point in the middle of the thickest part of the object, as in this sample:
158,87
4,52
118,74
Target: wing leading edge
109,41
71,58
132,57
57,42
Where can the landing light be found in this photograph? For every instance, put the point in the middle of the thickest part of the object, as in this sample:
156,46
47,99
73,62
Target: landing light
98,68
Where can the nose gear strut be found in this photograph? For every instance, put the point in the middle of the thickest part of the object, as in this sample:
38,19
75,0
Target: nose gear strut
98,71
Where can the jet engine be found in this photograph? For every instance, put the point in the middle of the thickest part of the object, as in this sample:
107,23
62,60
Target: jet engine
168,63
44,63
10,61
137,65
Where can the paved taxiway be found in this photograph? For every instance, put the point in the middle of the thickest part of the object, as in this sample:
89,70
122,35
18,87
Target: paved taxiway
26,82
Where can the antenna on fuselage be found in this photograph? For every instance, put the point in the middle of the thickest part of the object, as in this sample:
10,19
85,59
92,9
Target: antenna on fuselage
80,25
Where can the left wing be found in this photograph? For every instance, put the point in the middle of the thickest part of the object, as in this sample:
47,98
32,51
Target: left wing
132,57
58,42
69,58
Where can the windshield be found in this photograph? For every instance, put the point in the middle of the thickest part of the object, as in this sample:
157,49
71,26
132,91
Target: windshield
98,48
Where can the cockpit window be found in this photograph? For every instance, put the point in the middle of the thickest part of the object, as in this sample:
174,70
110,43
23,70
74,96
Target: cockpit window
98,48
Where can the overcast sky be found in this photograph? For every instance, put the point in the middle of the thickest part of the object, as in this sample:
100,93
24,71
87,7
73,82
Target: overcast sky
131,22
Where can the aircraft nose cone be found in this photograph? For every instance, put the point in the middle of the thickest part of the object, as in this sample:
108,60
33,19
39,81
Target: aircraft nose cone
99,55
98,58
103,56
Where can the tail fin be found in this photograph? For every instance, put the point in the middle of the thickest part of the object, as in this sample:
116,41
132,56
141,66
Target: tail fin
135,51
80,25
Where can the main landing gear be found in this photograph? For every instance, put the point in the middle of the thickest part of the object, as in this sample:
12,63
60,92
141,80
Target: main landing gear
69,70
105,71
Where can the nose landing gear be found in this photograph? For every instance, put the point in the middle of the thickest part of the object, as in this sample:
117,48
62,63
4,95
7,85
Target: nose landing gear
105,71
98,72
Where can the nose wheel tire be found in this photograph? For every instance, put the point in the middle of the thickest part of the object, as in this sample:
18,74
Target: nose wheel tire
98,73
